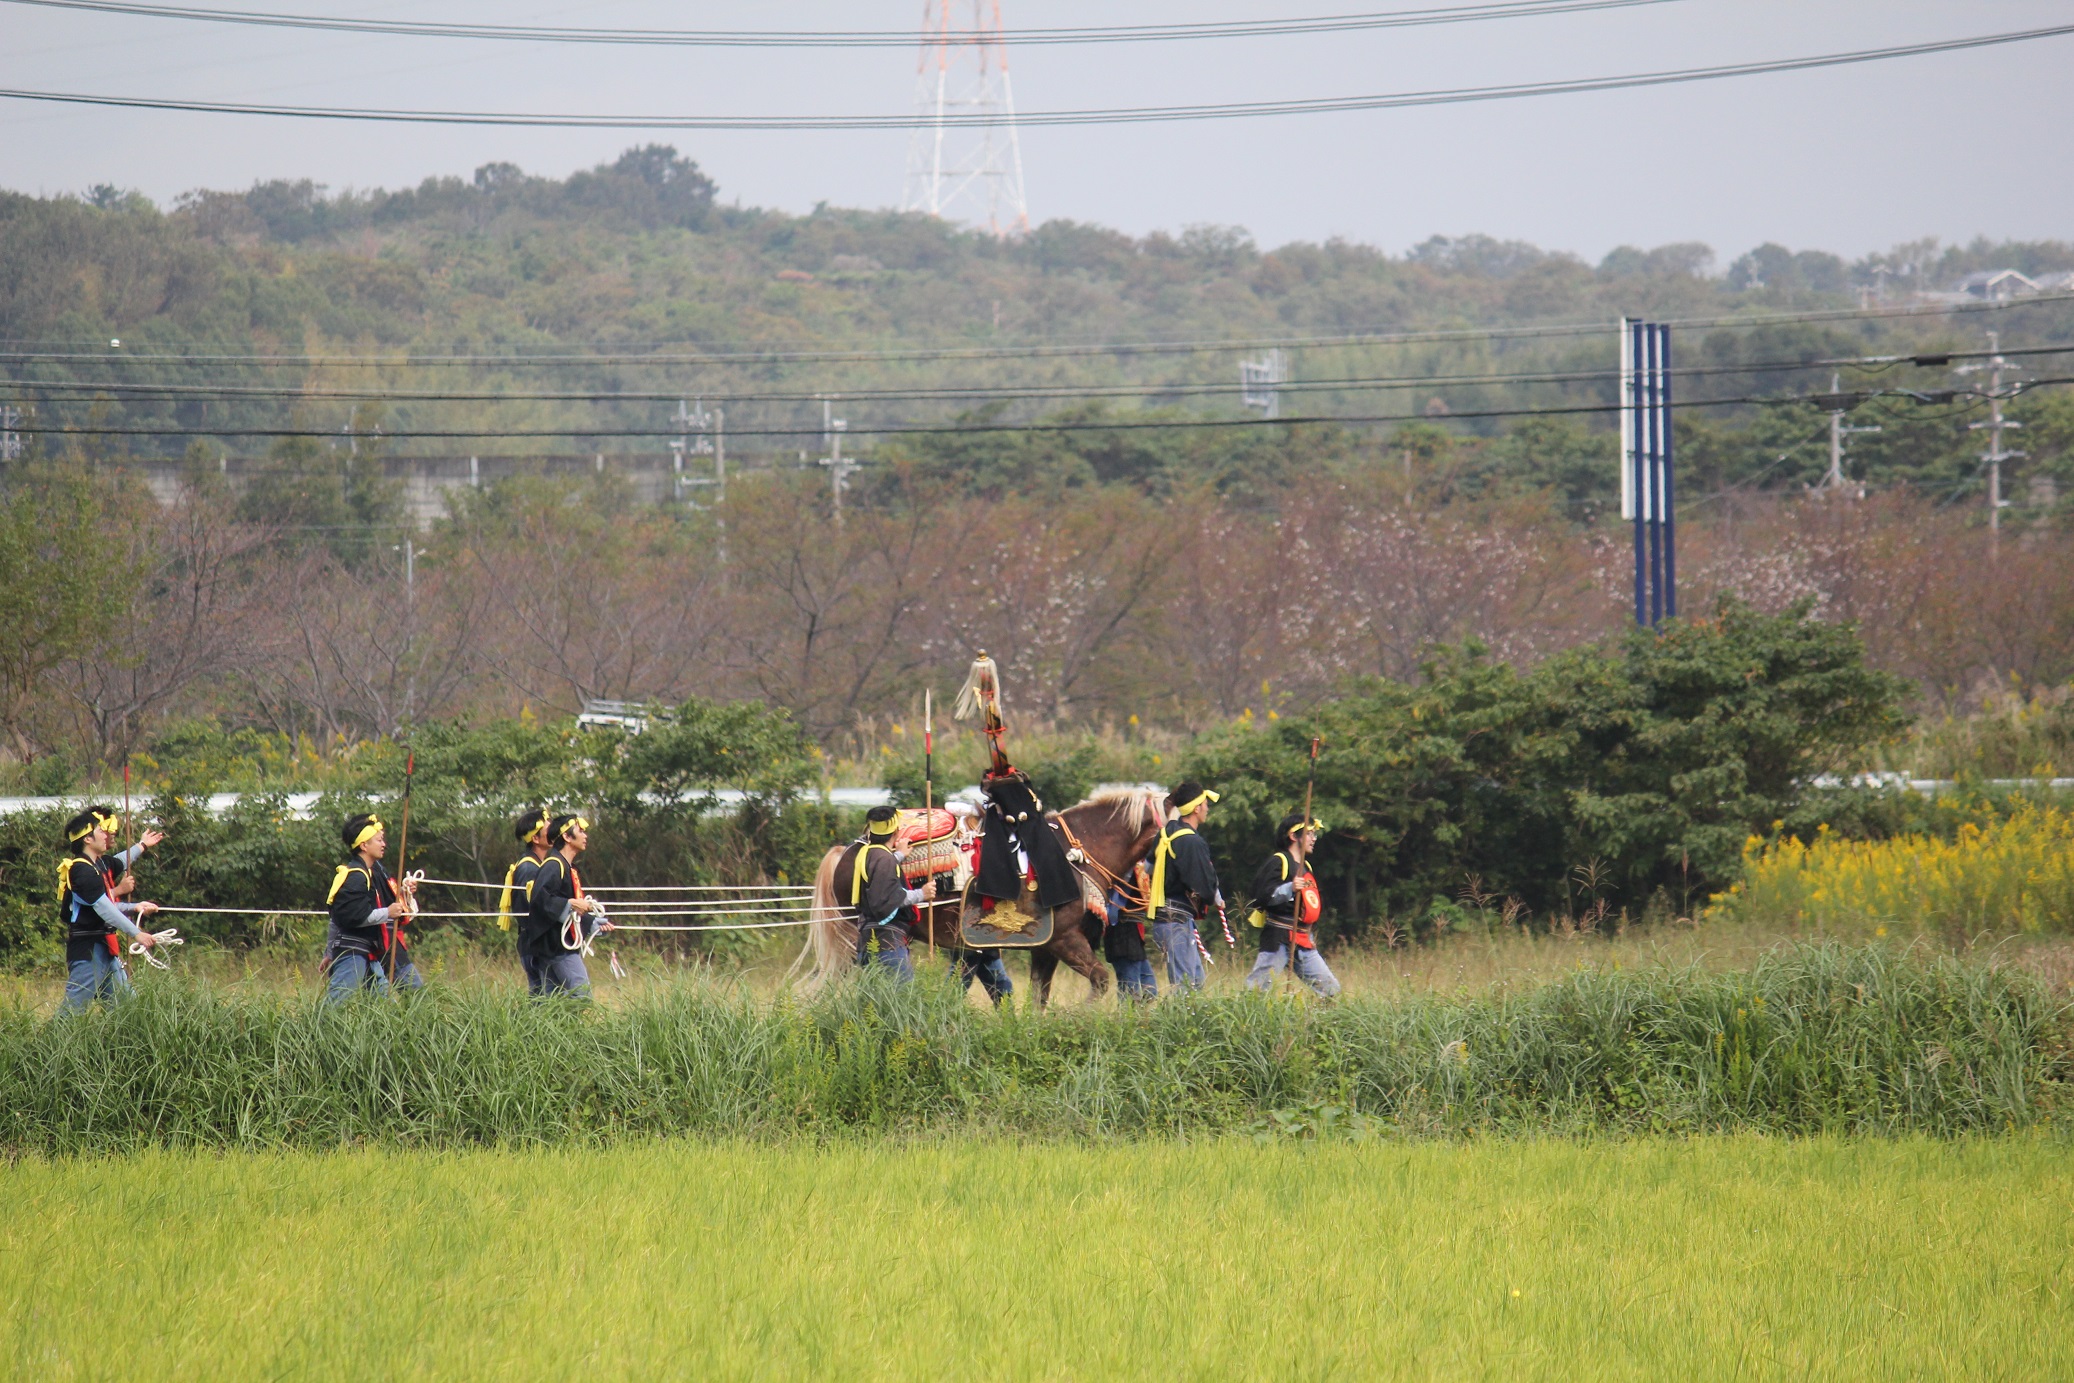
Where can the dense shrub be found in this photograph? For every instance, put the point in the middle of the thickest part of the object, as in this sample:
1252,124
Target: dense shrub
1809,1039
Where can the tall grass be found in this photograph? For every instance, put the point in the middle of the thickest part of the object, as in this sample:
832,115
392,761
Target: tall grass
1807,1039
2013,873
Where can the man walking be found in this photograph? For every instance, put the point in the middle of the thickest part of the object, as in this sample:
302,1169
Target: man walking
365,947
1286,907
561,918
95,921
531,831
1183,885
880,902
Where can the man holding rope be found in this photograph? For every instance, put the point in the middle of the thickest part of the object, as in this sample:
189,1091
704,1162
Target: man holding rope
368,910
1183,885
531,830
94,919
561,918
880,902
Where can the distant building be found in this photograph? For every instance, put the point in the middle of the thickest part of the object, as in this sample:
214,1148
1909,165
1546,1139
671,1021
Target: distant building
2059,282
1996,285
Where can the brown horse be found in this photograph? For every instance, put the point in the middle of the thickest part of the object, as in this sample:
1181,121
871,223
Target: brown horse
1105,836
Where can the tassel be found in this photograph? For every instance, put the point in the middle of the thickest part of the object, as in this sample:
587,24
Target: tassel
982,689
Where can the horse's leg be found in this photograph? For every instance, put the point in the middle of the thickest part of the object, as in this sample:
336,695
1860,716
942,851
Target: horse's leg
1043,965
1071,945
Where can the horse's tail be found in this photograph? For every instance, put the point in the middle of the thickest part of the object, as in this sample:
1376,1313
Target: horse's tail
831,945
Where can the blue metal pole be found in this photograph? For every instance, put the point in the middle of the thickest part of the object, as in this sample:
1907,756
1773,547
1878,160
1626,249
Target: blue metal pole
1652,448
1670,474
1637,472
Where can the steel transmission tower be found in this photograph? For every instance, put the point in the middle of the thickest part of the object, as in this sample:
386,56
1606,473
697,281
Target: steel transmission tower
965,163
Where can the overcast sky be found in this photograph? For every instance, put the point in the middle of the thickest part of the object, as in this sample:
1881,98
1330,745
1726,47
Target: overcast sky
1847,159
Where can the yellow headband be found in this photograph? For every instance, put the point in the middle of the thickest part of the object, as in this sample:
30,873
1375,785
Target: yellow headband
1314,824
1187,807
368,832
576,824
540,824
109,823
883,828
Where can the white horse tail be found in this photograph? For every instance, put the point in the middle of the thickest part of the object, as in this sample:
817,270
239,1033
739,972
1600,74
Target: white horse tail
831,946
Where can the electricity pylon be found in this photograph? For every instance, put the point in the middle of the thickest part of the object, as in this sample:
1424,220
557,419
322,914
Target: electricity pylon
964,162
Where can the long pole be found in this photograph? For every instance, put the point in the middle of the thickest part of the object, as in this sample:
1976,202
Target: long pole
410,764
1309,783
929,797
129,826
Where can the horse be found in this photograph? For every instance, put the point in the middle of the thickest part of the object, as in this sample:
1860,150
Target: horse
1105,836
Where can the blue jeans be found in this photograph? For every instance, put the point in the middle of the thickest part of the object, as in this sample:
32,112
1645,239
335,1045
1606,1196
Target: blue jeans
990,970
891,953
1310,968
562,974
99,976
353,972
532,969
1184,961
1134,979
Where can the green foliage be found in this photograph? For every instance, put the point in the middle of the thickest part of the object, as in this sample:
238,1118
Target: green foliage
1815,1039
330,496
1645,764
63,582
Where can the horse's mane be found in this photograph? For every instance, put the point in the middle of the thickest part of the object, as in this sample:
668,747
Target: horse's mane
1131,804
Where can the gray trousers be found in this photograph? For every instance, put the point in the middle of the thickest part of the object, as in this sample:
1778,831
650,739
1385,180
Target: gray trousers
1310,968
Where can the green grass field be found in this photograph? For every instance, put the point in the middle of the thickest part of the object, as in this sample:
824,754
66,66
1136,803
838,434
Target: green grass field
1709,1258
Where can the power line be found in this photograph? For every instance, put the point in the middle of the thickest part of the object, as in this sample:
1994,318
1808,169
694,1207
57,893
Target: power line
1028,350
973,393
853,38
1120,115
969,427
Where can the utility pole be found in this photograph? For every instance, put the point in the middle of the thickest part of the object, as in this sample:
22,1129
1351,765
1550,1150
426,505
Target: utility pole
832,429
1834,482
1258,381
1996,454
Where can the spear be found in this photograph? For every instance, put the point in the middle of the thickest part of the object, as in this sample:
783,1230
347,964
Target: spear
410,764
129,861
928,799
1309,783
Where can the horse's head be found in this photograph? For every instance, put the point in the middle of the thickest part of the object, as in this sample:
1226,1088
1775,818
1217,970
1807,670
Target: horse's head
1116,826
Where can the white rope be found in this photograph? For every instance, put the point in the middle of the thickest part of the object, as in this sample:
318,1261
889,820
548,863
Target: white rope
784,890
169,937
712,927
491,916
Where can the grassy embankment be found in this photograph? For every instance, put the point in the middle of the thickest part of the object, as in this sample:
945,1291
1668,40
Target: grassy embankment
1707,1258
1809,1039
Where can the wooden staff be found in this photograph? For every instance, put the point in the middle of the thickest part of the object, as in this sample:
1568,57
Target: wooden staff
410,764
1309,783
928,801
129,861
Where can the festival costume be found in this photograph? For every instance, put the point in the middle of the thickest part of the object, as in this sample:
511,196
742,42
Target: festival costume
1286,908
868,883
512,907
95,924
365,940
551,923
1181,885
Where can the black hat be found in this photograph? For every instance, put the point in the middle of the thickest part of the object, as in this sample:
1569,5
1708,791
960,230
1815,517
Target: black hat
558,829
1286,829
359,829
530,823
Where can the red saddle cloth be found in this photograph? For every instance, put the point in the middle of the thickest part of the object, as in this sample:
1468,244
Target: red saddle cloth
926,837
920,827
